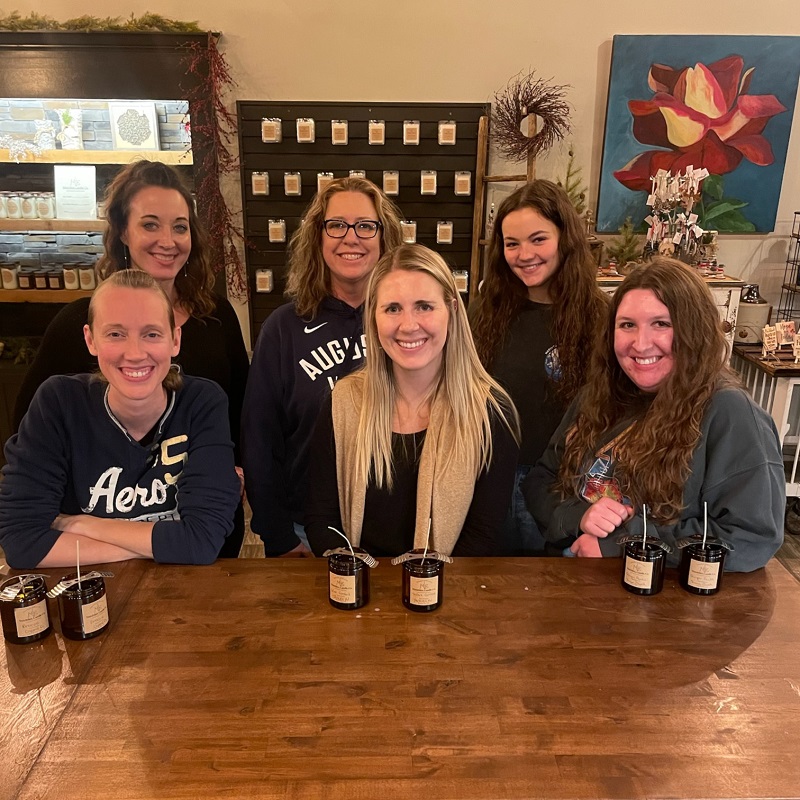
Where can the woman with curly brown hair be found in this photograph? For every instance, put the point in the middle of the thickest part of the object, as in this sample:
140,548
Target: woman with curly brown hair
539,312
153,226
305,346
662,422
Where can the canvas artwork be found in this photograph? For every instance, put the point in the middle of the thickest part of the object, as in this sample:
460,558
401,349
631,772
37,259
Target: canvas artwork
724,103
134,125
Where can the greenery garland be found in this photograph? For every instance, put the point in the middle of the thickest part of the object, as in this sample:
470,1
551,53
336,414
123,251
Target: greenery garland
146,23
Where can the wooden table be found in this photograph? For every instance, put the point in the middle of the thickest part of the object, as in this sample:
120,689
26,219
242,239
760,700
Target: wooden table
536,678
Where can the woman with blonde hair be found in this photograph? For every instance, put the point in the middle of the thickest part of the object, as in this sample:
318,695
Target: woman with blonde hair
304,347
421,433
134,462
537,317
662,422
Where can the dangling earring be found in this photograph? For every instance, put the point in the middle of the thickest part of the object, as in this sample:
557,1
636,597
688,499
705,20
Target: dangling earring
126,256
185,269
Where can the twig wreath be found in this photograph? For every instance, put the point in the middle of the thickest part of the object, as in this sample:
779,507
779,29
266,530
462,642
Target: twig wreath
525,95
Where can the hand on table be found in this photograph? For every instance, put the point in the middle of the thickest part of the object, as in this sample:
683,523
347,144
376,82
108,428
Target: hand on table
301,551
586,546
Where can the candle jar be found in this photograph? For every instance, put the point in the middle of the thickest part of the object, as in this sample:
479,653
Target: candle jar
3,209
40,279
71,278
643,568
83,608
13,207
10,276
701,568
46,205
423,582
55,278
25,618
28,205
348,581
86,279
25,278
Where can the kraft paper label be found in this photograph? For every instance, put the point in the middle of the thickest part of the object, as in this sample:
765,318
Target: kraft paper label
94,615
31,619
703,574
423,591
342,588
638,574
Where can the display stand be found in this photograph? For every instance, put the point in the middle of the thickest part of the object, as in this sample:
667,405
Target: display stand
789,305
323,156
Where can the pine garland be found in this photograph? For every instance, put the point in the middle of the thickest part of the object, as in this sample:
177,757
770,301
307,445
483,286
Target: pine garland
146,23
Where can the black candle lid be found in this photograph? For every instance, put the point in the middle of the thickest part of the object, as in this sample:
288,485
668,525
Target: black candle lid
630,538
697,538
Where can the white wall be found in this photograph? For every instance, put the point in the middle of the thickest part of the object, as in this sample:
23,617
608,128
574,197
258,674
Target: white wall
465,51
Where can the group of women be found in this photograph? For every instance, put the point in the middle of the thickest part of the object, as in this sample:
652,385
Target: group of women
540,424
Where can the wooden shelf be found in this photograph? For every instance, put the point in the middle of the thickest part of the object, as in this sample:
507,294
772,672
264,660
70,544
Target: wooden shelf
173,157
52,225
41,295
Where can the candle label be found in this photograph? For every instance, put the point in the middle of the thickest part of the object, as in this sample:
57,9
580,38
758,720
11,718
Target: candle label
408,232
391,182
377,131
411,132
263,280
638,574
31,619
444,233
276,229
271,129
342,588
447,132
305,130
703,574
463,184
339,131
291,183
259,182
94,615
427,181
423,591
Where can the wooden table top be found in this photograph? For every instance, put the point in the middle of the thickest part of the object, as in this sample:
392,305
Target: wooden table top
536,678
780,364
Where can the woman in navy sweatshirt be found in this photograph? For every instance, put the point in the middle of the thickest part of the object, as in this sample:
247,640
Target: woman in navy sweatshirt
134,463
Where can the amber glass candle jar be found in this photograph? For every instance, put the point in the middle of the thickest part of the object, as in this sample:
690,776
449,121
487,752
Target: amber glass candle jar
25,618
423,583
348,581
701,568
83,608
643,568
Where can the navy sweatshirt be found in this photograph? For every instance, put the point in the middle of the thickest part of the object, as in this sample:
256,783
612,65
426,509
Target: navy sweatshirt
295,364
71,456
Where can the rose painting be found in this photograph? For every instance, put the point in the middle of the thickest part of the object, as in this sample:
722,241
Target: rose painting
720,102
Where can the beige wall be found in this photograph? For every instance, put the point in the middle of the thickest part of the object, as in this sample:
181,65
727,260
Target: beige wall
465,51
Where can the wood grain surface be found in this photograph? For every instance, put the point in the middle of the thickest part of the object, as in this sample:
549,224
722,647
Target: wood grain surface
536,678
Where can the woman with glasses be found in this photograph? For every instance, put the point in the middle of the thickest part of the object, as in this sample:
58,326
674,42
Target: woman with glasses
304,347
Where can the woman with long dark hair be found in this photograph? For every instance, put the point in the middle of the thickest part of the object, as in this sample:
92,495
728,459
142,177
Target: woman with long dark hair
662,422
537,317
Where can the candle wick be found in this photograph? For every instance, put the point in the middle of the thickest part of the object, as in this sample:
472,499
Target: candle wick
427,539
705,523
330,528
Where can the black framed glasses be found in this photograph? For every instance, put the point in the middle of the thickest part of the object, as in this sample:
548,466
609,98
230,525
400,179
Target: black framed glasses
364,228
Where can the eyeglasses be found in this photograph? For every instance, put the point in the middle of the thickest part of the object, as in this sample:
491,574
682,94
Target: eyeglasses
338,228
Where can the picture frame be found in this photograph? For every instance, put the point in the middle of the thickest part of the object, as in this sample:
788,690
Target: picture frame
722,102
134,125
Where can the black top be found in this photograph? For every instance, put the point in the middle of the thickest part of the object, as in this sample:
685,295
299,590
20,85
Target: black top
211,348
389,517
526,367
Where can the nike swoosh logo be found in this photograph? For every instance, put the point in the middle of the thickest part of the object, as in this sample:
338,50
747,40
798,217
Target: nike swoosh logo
311,330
